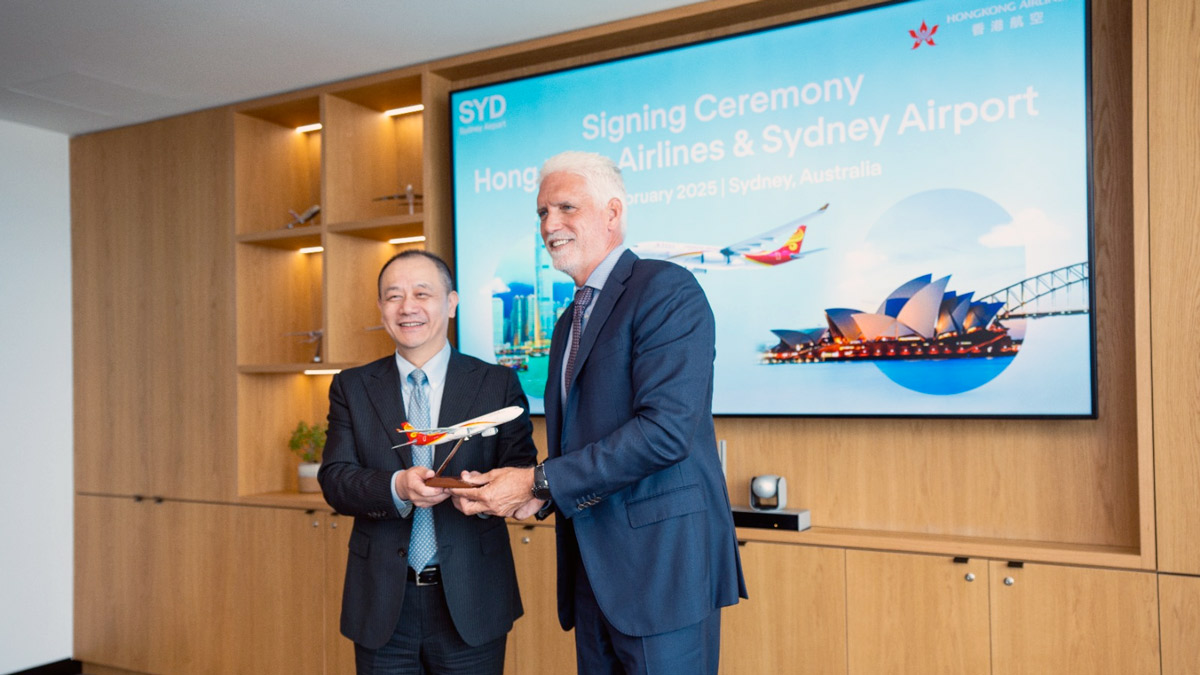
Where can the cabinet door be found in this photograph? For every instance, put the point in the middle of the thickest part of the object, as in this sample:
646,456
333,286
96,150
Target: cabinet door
795,619
537,644
916,614
339,649
1179,613
1051,619
177,587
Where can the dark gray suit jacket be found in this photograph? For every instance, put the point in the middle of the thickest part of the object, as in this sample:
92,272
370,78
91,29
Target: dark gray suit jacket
633,465
366,410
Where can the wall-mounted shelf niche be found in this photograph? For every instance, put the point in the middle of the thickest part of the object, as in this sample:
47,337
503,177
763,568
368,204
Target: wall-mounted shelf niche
277,169
372,157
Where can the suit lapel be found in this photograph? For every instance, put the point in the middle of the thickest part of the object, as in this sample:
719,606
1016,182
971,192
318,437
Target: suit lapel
458,396
551,402
383,389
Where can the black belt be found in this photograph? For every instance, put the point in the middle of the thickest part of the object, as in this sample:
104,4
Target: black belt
430,576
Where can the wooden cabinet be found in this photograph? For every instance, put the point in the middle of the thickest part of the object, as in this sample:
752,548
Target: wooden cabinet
339,649
916,614
537,643
1054,619
182,587
1179,618
795,619
920,614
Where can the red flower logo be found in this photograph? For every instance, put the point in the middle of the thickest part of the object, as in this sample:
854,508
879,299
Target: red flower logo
925,34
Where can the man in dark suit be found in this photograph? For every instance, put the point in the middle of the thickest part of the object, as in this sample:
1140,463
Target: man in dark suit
428,589
647,553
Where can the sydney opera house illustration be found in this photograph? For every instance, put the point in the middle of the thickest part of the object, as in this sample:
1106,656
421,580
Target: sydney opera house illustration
919,320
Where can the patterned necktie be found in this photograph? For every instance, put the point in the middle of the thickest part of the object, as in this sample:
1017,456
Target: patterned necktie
583,296
423,545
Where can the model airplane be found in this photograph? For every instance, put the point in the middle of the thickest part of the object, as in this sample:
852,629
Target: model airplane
773,247
484,425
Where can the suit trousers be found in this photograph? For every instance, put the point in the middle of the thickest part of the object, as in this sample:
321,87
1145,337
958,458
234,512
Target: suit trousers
601,649
426,643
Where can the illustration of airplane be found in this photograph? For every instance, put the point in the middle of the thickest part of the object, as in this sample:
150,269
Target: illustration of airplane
484,425
773,247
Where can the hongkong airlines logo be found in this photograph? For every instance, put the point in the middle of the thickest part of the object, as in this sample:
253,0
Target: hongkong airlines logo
923,35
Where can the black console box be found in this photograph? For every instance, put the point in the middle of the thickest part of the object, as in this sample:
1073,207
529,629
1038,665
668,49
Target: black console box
786,519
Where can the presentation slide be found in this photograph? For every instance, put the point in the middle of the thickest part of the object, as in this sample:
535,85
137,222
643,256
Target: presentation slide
888,209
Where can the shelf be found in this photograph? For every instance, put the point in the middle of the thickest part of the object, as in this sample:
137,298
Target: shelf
291,239
290,368
978,547
269,406
277,170
370,156
384,228
279,305
288,500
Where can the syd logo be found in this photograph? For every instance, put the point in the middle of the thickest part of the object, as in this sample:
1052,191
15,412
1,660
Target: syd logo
925,34
486,109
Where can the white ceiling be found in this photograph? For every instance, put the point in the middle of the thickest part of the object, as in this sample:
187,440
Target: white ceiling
76,66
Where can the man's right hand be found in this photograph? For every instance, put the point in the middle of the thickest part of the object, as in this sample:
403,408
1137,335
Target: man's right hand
411,487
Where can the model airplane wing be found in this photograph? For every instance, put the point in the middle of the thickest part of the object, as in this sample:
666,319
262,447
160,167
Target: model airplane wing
484,425
772,239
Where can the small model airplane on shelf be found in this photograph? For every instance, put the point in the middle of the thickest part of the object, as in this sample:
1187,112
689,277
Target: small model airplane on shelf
409,196
302,218
484,425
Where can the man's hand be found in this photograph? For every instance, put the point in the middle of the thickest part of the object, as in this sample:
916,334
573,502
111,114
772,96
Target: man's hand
410,486
508,492
530,508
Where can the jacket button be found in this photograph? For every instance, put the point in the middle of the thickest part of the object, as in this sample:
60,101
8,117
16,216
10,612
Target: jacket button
403,553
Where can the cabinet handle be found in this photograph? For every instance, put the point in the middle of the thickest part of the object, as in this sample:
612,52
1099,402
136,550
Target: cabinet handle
525,540
333,525
316,523
970,576
1009,581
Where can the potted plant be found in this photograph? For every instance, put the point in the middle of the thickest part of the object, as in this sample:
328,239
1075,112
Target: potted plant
308,442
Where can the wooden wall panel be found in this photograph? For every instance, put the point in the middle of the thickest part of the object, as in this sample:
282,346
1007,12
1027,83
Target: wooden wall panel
1174,95
152,308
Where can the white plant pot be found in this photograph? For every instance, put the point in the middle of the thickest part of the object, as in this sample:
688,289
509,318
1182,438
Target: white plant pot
308,477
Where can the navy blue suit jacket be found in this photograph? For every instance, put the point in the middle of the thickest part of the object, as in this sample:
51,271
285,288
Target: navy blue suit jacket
633,466
365,411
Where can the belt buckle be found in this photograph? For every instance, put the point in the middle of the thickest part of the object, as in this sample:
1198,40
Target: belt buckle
433,577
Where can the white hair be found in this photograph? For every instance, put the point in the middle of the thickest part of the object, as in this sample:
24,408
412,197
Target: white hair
599,173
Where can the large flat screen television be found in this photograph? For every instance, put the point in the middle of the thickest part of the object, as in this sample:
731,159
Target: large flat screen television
888,209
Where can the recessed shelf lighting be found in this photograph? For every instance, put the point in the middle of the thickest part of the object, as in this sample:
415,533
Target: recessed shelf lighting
323,371
407,240
308,127
312,249
404,111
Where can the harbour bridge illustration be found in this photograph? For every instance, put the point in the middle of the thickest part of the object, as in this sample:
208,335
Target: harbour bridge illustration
1055,293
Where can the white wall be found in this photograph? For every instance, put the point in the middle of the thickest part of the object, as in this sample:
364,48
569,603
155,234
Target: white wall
36,406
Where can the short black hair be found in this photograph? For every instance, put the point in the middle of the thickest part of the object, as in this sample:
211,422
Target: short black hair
443,268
